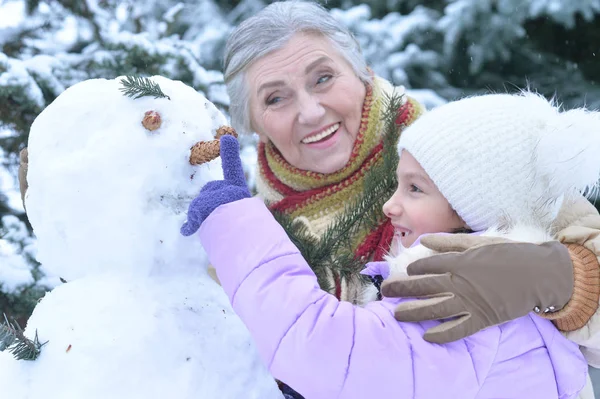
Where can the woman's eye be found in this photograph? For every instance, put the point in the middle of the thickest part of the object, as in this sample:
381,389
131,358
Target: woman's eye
323,78
273,100
415,189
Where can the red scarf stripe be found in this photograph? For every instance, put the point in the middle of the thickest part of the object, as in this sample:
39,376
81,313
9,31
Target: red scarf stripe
385,243
373,240
405,114
266,171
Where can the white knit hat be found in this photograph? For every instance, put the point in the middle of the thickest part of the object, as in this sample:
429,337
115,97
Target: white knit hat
504,158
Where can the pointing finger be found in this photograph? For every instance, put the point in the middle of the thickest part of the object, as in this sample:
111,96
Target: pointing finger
231,161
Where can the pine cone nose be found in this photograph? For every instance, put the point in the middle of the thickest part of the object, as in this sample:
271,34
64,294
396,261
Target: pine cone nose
225,130
206,151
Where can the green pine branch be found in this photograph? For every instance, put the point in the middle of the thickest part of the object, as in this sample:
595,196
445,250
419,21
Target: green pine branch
334,250
137,87
14,340
379,184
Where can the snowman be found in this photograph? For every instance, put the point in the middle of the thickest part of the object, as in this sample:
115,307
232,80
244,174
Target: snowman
136,315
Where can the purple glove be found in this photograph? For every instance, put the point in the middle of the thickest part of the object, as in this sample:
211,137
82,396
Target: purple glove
219,192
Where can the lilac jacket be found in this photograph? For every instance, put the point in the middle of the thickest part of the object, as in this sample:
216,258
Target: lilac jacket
325,349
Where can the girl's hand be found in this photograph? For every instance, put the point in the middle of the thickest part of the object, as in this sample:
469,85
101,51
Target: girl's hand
216,193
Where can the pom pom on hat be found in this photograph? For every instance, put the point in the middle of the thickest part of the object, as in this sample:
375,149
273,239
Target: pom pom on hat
568,153
504,158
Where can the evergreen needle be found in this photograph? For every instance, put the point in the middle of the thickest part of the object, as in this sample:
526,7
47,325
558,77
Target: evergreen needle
137,87
13,340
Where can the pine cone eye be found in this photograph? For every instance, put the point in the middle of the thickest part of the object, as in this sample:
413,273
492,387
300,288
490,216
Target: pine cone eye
152,120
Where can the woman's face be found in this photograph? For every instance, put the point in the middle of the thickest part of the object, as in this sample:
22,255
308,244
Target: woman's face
306,99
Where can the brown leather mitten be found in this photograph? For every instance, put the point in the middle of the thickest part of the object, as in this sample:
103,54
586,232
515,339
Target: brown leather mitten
23,164
486,281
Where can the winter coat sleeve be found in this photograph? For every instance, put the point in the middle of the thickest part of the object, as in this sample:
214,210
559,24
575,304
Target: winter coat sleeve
578,225
320,346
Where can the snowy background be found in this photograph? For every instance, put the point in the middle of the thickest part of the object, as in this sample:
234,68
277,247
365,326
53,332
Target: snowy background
438,49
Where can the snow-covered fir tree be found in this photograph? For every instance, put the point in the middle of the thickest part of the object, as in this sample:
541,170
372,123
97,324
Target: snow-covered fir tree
438,49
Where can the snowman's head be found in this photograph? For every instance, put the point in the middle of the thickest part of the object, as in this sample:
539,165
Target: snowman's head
106,193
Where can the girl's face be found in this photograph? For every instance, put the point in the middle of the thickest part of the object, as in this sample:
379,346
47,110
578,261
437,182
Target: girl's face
417,207
306,99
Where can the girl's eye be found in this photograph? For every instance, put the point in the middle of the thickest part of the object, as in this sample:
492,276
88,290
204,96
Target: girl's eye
415,189
323,78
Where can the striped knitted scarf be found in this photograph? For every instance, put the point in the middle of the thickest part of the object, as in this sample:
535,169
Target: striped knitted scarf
316,199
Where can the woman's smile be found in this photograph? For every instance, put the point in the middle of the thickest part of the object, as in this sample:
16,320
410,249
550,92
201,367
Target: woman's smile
322,135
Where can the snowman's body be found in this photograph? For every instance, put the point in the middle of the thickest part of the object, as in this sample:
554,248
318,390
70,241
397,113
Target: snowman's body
139,317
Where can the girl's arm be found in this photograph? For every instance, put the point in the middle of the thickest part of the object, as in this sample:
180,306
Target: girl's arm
318,345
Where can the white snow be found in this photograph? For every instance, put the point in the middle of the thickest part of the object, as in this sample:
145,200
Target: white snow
8,181
427,97
139,317
12,13
15,271
16,74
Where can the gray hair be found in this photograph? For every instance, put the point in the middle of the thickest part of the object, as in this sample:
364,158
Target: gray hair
270,30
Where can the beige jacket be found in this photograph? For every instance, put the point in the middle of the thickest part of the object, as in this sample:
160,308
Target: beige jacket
579,223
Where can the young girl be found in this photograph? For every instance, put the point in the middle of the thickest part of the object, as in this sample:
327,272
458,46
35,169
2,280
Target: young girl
498,164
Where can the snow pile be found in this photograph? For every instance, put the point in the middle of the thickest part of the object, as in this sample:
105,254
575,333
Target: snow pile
138,317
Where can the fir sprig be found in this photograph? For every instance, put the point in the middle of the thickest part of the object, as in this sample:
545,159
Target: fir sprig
333,252
137,87
14,340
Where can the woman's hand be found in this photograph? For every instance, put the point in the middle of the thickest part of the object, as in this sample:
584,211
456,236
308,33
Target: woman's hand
216,193
478,282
